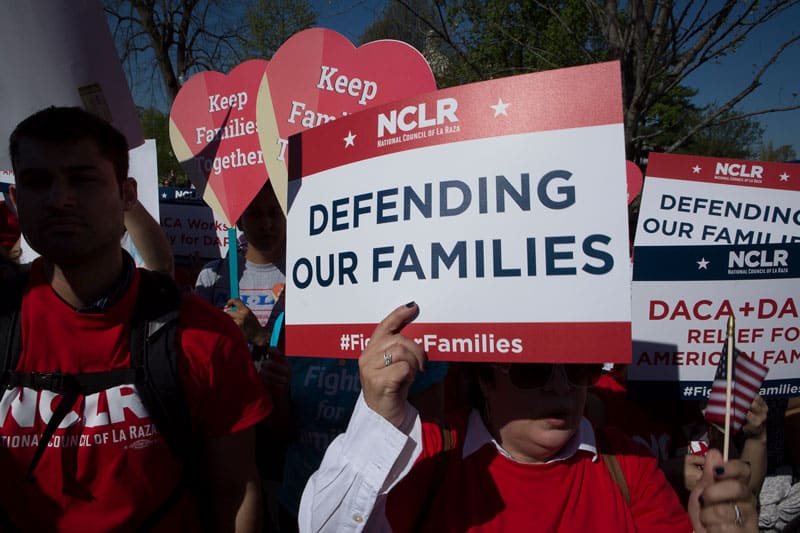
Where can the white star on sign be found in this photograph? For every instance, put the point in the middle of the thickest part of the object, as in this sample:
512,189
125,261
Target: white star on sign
703,264
348,141
784,177
500,108
163,195
696,169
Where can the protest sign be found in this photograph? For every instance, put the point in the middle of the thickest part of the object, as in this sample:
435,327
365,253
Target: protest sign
61,52
194,230
212,127
716,237
143,167
317,76
499,207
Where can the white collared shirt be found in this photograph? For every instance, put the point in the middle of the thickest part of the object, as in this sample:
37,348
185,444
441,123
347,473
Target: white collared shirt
477,436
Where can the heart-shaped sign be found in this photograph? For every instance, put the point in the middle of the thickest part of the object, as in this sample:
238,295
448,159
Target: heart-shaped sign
213,132
635,180
318,75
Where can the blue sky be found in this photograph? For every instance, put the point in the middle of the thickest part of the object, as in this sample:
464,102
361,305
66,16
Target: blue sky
714,82
781,83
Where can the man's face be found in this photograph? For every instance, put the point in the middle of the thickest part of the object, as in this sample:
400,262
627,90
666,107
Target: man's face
68,199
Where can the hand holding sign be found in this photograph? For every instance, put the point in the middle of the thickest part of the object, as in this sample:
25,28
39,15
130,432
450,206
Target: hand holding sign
389,364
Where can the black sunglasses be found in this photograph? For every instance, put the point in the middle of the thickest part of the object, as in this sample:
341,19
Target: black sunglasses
536,375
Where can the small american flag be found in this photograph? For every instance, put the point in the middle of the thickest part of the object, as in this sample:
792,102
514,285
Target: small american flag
746,380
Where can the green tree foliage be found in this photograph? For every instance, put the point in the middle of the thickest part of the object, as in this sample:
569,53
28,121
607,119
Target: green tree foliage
155,125
768,152
658,43
731,136
485,39
407,24
410,22
271,22
672,117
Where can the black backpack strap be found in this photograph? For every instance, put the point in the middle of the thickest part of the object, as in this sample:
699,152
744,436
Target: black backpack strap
12,289
88,383
69,386
154,357
67,402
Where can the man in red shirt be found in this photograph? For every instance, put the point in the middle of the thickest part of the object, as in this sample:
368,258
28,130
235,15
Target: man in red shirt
107,467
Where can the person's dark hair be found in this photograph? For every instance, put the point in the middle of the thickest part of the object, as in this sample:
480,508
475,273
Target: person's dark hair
69,124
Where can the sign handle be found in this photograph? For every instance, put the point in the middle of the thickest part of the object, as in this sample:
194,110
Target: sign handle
233,262
276,331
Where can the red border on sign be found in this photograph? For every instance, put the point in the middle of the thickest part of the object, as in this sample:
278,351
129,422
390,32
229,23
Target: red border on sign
572,342
783,176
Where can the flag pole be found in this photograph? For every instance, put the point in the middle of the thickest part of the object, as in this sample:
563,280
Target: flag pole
728,379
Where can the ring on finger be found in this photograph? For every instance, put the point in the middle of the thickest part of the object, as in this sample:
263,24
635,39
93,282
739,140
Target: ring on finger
387,359
739,521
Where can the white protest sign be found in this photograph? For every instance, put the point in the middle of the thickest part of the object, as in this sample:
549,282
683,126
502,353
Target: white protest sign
716,237
143,166
499,207
61,52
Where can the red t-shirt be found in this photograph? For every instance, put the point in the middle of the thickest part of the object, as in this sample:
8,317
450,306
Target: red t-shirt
107,468
488,492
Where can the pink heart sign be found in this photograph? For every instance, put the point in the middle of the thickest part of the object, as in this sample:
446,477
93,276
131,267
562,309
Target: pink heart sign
318,75
213,133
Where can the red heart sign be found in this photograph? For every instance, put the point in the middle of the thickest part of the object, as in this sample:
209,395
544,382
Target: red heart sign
213,134
317,75
635,180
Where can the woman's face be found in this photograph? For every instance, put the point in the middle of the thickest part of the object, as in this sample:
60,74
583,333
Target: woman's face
533,425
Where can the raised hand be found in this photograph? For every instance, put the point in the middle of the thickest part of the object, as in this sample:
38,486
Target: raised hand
755,424
389,364
722,501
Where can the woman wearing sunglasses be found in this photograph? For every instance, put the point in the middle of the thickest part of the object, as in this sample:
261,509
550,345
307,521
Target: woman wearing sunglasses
524,459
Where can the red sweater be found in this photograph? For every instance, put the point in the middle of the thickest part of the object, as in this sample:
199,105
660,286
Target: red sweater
488,492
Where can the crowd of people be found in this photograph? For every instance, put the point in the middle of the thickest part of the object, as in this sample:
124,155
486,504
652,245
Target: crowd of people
130,406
